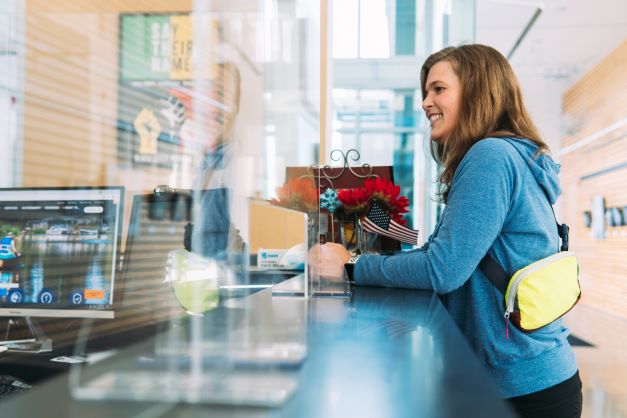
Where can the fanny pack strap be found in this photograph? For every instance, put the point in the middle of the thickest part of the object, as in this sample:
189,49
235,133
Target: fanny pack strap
495,273
562,231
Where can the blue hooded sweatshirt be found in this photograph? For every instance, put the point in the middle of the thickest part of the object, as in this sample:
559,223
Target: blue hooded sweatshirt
498,204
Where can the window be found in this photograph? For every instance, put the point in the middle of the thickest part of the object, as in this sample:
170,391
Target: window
362,28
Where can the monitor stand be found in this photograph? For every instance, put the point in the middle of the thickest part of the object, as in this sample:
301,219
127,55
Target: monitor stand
33,342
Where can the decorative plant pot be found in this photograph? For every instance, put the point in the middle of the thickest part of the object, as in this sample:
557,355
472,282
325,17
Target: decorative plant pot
355,239
349,232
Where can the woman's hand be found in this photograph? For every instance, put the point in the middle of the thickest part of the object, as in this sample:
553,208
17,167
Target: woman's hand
327,261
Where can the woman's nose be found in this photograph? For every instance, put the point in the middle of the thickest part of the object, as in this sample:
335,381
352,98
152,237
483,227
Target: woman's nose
427,102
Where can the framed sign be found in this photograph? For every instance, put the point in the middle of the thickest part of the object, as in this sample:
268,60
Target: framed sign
157,80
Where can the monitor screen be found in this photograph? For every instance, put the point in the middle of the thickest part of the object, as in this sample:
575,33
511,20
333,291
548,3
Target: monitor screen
58,251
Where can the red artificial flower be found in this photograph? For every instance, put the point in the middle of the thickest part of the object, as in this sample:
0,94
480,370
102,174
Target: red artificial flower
384,192
299,194
354,200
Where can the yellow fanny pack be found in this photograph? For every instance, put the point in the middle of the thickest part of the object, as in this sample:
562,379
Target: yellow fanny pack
541,292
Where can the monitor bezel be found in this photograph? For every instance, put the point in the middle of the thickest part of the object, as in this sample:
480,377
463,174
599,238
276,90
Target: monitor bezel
107,313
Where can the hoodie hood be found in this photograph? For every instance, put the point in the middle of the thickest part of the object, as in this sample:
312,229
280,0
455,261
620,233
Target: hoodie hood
545,171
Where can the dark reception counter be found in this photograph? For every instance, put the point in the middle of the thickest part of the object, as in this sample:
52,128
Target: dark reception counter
382,353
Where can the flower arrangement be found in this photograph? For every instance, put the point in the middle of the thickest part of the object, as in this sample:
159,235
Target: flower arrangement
346,206
301,194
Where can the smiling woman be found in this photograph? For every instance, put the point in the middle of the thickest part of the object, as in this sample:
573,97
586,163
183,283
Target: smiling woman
498,183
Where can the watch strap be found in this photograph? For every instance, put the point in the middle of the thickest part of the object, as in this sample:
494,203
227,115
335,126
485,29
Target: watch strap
349,267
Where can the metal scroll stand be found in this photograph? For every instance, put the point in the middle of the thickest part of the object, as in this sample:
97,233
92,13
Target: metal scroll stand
325,173
36,342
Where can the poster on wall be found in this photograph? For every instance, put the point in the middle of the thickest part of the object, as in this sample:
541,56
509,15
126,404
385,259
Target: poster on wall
157,55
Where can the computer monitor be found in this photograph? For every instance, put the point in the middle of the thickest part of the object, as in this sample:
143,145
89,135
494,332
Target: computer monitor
59,251
156,227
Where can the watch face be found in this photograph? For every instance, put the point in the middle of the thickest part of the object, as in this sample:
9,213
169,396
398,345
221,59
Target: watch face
349,268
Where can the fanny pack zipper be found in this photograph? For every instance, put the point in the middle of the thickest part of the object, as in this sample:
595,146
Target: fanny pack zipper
532,268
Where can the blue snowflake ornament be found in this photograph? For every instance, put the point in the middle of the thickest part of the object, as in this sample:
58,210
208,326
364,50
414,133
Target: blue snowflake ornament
328,200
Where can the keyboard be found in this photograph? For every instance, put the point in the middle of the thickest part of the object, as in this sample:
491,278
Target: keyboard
10,385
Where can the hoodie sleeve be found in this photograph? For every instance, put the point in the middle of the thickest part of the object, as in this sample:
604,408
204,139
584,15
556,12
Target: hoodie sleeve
478,204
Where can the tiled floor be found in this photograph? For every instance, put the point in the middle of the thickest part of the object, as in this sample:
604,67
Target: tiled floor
603,368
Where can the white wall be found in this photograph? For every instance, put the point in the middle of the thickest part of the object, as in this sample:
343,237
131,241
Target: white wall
543,97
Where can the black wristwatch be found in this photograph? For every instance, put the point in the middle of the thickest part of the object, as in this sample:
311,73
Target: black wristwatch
350,268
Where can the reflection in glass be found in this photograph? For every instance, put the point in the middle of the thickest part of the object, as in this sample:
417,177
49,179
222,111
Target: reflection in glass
194,280
145,97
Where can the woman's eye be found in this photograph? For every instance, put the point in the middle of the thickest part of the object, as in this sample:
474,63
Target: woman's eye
438,89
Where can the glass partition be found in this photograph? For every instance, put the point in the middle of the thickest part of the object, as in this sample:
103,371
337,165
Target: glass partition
193,111
162,169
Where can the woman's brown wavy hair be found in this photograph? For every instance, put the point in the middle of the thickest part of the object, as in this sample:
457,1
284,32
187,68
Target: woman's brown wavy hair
491,106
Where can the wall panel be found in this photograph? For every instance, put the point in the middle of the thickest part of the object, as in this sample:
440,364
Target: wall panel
597,101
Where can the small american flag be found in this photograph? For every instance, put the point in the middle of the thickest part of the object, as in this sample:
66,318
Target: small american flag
379,222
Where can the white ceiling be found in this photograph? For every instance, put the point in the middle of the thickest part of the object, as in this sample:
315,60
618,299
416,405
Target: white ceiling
568,38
